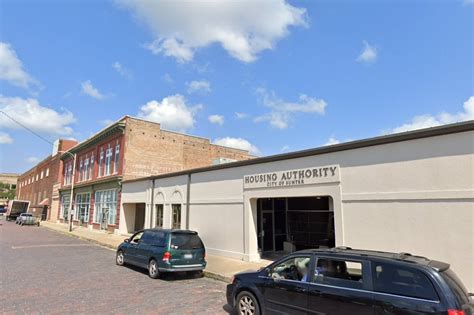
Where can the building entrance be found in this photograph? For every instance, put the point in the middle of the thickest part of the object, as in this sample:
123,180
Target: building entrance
294,223
267,231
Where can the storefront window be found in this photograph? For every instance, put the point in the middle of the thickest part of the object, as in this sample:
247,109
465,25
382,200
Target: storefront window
105,206
65,202
82,207
176,216
159,216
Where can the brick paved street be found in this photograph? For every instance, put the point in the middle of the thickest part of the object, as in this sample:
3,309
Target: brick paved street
46,272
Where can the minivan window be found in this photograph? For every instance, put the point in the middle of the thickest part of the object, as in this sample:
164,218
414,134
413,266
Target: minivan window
459,290
402,281
185,241
337,272
157,238
147,237
135,238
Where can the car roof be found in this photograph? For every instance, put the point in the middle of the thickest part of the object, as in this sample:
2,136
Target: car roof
171,231
407,258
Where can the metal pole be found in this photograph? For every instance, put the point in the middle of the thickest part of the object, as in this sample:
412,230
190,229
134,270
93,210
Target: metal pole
72,191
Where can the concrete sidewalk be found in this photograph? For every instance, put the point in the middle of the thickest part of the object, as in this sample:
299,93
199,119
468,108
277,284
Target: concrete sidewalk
218,267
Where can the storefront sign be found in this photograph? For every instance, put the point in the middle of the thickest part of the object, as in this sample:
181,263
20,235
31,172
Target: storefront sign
305,176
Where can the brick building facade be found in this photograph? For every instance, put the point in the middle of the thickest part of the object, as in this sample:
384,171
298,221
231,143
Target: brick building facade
40,184
129,148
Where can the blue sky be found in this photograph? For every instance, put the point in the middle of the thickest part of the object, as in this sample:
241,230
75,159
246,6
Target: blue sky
271,76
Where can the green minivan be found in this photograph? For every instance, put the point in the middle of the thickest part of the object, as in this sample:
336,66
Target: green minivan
163,250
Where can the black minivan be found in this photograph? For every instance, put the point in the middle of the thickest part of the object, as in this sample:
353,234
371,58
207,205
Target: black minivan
163,250
347,281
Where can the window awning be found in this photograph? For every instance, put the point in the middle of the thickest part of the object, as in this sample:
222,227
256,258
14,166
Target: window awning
44,202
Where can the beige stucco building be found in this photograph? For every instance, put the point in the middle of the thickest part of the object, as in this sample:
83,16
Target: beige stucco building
410,192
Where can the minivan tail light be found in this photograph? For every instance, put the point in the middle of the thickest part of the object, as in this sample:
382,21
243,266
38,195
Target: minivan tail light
455,312
167,256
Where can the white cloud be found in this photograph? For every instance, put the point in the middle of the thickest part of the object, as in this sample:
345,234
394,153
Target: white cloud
5,138
89,89
282,112
201,86
32,159
427,120
172,113
11,69
241,115
369,53
31,114
216,119
276,119
468,2
284,148
124,72
238,143
106,122
242,28
167,78
332,141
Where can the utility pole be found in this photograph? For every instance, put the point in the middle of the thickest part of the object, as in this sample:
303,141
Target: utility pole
72,191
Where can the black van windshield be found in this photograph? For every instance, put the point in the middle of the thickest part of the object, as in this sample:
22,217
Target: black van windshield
459,290
185,241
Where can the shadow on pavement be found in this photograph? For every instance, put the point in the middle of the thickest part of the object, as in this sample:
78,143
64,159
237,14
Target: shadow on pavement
228,309
170,276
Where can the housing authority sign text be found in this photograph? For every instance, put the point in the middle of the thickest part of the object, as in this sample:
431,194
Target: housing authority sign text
304,176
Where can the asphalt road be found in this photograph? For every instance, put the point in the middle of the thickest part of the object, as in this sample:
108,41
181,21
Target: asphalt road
42,271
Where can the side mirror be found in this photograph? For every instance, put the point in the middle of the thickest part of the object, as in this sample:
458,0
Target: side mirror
126,240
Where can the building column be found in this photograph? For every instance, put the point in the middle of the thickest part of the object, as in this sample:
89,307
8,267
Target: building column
250,230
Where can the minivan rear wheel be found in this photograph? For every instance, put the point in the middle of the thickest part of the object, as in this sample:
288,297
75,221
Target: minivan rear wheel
247,304
119,260
153,271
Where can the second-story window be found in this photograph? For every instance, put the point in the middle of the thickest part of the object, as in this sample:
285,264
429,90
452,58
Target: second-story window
68,173
85,171
108,161
91,168
81,165
101,161
117,158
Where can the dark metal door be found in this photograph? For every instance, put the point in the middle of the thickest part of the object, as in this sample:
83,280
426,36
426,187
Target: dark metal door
267,231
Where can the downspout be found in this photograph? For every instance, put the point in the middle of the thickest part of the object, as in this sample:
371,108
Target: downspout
188,196
152,202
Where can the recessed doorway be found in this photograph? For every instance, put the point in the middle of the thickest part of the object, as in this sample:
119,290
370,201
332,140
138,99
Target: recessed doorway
294,223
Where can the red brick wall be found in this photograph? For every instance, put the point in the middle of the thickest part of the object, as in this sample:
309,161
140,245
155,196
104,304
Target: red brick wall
38,190
95,151
152,151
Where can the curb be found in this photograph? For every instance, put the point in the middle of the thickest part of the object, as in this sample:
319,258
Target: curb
206,274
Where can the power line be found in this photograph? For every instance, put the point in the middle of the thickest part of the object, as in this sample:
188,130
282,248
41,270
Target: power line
30,130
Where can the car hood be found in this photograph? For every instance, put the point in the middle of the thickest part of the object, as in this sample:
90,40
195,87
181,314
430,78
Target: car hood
247,273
